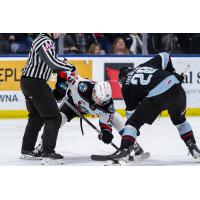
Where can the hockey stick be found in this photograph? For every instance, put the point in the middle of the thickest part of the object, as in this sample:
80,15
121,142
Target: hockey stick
86,120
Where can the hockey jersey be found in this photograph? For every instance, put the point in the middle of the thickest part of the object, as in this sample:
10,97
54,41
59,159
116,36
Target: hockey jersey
81,94
149,79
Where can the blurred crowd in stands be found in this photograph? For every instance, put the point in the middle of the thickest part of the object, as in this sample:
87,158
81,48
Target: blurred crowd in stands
108,43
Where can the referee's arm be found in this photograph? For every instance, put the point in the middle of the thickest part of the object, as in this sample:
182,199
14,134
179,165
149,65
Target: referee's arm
50,58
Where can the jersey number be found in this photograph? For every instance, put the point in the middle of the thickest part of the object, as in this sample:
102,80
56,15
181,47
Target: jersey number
140,76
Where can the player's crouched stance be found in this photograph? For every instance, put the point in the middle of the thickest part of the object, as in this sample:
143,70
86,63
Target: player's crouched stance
149,89
90,97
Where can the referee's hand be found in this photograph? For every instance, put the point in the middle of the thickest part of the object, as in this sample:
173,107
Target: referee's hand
74,74
71,65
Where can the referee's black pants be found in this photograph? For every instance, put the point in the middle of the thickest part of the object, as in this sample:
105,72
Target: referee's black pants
43,110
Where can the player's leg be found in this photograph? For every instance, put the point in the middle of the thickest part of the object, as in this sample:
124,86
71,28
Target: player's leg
44,102
48,110
177,110
66,112
35,122
118,123
34,125
147,112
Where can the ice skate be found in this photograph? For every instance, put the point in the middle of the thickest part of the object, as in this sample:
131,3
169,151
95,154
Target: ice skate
194,151
139,153
52,158
31,155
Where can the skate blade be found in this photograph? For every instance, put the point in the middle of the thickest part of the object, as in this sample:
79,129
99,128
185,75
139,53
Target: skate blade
120,162
29,157
49,161
140,157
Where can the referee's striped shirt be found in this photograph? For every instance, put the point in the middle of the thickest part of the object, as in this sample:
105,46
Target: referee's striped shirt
43,60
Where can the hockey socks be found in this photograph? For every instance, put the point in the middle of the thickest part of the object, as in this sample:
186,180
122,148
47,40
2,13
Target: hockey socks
188,138
126,142
186,133
129,137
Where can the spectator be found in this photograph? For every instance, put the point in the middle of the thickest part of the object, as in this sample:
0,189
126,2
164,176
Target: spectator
125,36
70,45
195,43
175,43
20,42
136,46
104,41
95,48
79,42
154,43
119,47
169,42
4,44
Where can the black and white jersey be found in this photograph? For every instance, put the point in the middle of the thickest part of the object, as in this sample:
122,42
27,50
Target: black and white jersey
149,79
43,60
81,93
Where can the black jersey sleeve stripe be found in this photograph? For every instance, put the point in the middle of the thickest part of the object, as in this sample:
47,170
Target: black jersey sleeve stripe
51,61
54,57
39,43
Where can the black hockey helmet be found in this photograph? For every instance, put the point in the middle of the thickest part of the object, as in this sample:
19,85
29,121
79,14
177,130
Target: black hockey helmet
123,74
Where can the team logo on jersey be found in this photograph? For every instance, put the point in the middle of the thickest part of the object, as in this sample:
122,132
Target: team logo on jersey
82,87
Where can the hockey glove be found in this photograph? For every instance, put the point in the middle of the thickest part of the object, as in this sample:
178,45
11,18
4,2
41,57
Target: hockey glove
180,77
60,90
106,137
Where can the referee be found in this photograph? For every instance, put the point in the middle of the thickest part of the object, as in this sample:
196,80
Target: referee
40,101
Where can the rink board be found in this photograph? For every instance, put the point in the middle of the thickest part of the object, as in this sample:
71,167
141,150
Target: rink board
98,68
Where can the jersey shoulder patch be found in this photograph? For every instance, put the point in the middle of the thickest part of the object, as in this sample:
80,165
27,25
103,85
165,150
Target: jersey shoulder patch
82,87
48,45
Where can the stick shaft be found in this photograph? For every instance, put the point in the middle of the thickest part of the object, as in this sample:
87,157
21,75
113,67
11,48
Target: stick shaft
86,120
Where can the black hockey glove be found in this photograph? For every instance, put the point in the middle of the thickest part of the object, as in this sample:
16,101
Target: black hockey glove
180,77
60,90
106,137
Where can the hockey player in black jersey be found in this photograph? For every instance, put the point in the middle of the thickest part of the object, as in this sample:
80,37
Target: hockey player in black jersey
149,89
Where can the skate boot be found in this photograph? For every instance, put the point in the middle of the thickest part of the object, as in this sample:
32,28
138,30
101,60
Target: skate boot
193,149
52,158
137,149
31,155
140,155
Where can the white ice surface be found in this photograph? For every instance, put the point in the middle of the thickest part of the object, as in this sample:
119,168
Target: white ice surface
161,140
